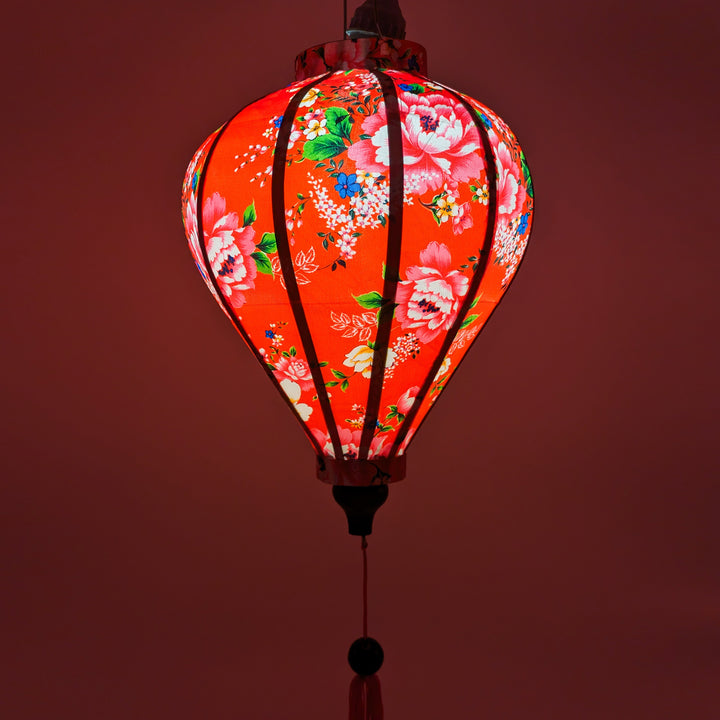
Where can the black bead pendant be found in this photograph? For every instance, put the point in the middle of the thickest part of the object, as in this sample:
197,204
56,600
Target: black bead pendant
366,656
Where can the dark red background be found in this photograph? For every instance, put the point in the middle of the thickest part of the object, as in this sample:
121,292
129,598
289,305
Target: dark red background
166,550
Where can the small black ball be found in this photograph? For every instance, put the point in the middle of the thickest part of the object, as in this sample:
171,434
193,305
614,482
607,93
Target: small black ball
366,656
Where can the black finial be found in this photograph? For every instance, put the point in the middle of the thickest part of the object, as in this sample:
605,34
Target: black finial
360,504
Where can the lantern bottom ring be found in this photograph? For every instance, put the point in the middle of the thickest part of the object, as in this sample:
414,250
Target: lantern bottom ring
378,471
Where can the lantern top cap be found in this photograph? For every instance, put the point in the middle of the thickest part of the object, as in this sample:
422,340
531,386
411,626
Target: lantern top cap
365,52
381,18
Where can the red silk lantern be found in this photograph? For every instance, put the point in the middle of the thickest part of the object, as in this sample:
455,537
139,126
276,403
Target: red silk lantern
358,228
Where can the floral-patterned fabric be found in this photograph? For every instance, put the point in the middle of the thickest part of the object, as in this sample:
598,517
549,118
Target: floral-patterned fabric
337,203
365,53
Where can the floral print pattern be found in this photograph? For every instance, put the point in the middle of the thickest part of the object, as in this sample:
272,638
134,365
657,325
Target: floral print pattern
429,300
337,181
229,248
439,142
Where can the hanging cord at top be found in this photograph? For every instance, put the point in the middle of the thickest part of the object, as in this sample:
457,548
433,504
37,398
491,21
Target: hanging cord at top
375,15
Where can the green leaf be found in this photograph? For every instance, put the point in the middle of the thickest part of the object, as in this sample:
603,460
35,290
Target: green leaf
369,300
474,302
323,147
332,383
338,374
249,216
293,351
263,262
469,320
344,385
268,244
526,175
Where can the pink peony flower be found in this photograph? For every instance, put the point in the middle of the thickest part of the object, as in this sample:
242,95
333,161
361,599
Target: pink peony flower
407,400
463,220
295,369
510,190
229,250
429,300
440,142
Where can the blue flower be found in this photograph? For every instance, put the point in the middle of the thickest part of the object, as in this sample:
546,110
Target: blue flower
486,120
269,334
278,121
522,227
347,185
413,88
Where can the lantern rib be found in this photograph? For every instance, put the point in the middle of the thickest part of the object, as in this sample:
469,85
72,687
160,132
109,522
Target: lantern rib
392,259
497,304
229,310
484,258
286,263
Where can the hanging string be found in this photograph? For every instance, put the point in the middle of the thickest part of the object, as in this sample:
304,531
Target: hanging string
364,545
365,692
344,19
